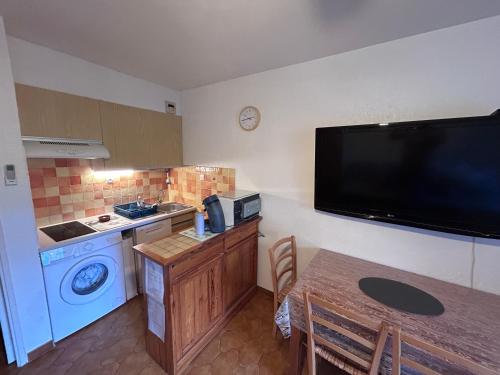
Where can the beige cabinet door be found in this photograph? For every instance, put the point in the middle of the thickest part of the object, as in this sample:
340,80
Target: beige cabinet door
139,138
164,136
124,135
33,105
48,113
77,116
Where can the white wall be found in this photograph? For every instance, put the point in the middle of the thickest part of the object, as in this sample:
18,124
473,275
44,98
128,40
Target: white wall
446,73
19,254
39,66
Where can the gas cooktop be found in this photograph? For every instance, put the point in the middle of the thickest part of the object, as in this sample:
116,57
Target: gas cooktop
65,231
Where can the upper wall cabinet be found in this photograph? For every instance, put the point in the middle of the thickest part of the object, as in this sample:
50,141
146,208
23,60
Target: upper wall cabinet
48,113
164,138
138,138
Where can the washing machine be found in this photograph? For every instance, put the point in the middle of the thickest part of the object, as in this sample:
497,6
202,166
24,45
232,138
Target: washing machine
84,281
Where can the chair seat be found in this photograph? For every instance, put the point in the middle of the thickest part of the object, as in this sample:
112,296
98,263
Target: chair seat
338,362
284,292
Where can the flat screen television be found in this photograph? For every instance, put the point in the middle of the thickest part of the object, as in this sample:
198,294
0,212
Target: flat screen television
437,174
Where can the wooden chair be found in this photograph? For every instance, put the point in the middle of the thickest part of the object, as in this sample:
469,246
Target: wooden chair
347,360
398,359
283,257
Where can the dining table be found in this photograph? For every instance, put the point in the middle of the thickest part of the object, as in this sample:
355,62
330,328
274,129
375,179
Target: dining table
468,327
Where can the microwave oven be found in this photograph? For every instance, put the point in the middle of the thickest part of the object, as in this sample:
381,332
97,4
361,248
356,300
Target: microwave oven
239,206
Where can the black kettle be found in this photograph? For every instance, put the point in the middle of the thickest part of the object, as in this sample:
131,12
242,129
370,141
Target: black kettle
216,220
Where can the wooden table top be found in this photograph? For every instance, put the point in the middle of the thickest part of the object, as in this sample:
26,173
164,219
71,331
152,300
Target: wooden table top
470,325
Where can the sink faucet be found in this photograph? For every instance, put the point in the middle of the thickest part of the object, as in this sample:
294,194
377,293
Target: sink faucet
140,201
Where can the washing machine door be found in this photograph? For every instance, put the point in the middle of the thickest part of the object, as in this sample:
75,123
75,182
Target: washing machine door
88,279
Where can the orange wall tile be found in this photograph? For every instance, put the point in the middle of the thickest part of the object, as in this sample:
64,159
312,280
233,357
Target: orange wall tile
191,185
66,189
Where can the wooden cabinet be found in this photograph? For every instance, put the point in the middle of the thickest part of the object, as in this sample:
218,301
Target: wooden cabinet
136,138
164,137
239,270
205,285
197,304
139,138
124,136
48,113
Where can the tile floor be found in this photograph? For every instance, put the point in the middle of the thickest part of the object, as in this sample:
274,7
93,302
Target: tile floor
115,345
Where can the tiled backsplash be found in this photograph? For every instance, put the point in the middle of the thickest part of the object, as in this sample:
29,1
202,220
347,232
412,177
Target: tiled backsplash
191,185
68,189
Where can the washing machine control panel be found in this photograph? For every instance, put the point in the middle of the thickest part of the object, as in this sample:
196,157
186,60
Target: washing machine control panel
79,249
51,256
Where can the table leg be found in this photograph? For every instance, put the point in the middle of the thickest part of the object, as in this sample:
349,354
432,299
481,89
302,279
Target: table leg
296,351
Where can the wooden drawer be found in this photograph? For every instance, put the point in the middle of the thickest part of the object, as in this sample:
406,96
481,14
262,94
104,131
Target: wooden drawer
238,234
153,232
182,218
183,221
199,257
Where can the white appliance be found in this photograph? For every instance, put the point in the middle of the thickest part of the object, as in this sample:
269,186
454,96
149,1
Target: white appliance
40,147
84,281
239,206
131,262
129,267
148,233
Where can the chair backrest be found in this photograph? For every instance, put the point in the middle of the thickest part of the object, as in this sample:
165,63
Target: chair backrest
283,258
361,365
398,359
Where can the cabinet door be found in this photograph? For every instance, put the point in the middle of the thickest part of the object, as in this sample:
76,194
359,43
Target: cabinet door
123,134
77,117
164,134
239,270
33,105
48,113
248,255
197,304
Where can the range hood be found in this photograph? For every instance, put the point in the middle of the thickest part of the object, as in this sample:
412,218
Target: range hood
63,148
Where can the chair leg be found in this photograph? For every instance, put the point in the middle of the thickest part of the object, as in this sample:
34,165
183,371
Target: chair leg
275,326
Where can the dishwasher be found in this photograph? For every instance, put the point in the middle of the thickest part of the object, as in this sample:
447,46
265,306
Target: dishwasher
148,233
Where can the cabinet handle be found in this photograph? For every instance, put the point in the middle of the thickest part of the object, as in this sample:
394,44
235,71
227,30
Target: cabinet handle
153,229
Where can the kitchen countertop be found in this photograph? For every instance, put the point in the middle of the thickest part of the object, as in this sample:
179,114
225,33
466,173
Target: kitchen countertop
170,248
46,243
167,250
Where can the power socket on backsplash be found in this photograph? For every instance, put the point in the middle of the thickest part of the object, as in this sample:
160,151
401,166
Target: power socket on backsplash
167,180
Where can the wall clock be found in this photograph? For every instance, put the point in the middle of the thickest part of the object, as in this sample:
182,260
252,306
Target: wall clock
249,118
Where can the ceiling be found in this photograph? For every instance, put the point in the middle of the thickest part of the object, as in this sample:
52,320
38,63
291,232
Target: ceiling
183,44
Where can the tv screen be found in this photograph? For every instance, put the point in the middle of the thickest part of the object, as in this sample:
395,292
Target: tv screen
437,174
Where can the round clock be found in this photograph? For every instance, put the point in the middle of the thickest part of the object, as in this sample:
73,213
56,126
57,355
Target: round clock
249,118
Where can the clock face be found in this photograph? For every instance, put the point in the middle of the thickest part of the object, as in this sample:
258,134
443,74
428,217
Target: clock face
249,118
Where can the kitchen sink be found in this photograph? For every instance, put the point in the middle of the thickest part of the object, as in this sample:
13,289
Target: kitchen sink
172,207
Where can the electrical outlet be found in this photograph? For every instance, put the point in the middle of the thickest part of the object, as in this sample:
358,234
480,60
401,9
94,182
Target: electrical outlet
170,107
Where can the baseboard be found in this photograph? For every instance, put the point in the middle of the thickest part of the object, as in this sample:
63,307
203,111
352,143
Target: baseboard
265,291
41,350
